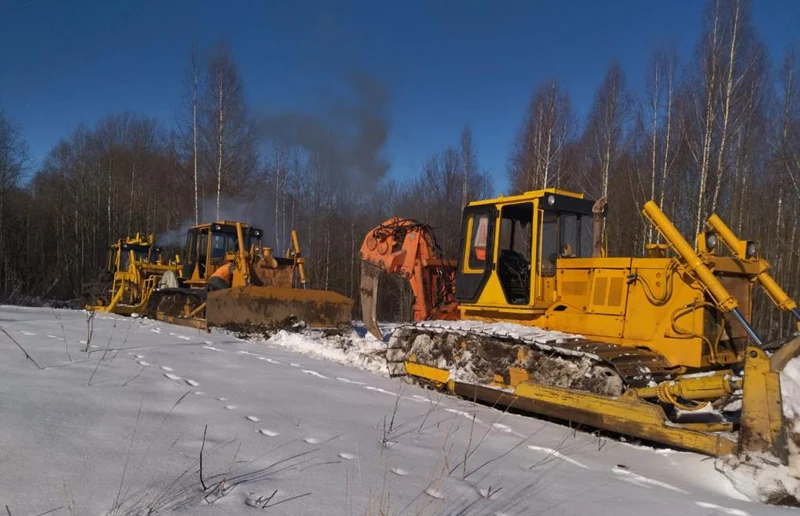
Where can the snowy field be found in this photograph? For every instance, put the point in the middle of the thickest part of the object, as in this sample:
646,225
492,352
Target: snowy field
291,426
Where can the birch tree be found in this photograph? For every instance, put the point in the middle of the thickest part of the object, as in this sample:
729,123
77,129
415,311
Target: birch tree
705,103
605,130
660,88
227,128
195,77
13,159
468,163
539,154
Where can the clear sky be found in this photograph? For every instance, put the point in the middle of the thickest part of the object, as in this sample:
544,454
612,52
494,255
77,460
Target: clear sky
445,63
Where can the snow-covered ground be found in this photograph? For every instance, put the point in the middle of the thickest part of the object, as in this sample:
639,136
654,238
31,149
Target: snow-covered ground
283,429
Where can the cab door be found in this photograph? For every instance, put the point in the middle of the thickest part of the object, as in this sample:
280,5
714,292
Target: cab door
475,260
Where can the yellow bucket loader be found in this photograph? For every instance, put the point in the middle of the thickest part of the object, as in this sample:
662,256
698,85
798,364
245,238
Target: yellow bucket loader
134,269
659,347
231,280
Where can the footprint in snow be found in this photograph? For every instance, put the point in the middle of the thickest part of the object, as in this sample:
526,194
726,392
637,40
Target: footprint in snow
165,368
311,440
142,362
347,380
265,359
642,481
192,382
268,433
399,472
467,415
434,493
212,348
347,456
314,373
139,357
723,510
28,333
230,407
221,399
254,419
172,376
54,337
295,365
378,389
487,492
550,452
198,393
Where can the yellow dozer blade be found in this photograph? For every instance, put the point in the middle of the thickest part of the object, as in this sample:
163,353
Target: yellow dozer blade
272,307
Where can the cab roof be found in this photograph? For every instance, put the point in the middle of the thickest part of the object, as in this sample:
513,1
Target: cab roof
527,196
220,223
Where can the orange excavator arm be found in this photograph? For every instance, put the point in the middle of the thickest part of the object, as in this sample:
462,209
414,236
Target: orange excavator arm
408,248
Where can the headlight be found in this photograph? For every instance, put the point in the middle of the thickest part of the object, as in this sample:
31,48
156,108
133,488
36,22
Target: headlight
551,200
750,250
711,241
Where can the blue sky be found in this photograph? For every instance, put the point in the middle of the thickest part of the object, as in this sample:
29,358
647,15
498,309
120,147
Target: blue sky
445,63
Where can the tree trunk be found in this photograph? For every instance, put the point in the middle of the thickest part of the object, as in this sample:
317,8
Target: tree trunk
220,136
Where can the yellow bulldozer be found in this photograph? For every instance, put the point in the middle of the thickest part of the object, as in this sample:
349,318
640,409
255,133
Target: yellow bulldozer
134,269
532,315
227,278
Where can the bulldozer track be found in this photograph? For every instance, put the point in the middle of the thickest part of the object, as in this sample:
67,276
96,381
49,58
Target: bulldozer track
477,351
171,301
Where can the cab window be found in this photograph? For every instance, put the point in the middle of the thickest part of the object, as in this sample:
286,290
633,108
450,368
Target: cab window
191,246
586,226
478,242
202,247
548,243
222,243
564,235
514,252
570,245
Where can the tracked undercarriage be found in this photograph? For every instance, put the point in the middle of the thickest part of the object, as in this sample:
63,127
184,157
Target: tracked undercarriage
489,354
624,389
178,306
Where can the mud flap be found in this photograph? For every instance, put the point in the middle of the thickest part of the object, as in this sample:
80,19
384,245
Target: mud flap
274,307
369,296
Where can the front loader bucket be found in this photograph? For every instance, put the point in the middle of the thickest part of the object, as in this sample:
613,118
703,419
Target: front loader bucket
272,307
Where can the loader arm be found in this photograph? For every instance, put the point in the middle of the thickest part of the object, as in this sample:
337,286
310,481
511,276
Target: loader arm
408,248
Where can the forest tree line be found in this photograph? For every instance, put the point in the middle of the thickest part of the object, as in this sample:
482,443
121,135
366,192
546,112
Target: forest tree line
716,133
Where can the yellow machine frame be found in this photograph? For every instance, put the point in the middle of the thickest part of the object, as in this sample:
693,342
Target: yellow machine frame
679,307
136,277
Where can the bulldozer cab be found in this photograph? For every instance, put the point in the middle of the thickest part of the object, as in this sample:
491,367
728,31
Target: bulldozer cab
118,257
511,245
209,246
